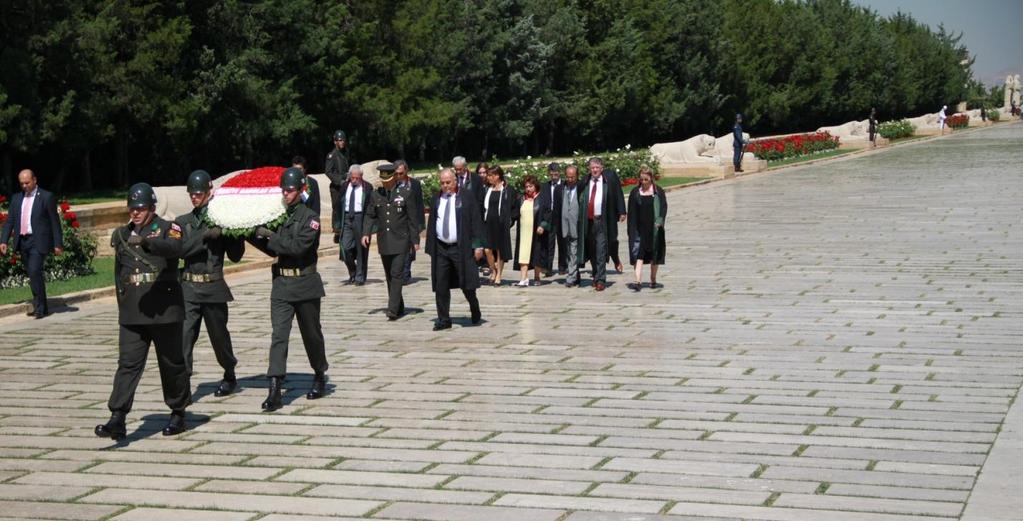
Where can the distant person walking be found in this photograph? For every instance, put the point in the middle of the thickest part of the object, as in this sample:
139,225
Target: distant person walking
941,118
737,143
872,127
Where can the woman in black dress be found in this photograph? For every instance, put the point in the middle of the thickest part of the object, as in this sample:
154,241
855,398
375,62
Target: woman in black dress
500,211
647,209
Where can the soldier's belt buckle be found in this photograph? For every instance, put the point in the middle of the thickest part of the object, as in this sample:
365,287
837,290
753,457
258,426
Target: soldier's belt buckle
291,272
141,278
197,277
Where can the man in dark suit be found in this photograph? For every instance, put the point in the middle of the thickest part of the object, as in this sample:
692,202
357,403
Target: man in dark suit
554,238
468,180
347,221
336,166
34,225
394,214
602,207
454,242
737,143
416,189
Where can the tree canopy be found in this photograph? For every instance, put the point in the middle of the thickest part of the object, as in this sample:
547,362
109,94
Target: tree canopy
103,93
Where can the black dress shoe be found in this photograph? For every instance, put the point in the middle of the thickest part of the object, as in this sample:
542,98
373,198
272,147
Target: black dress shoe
226,387
113,428
438,326
391,316
31,313
360,283
477,317
319,387
273,397
634,286
176,425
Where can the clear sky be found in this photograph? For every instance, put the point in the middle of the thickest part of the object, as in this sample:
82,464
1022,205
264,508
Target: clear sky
992,29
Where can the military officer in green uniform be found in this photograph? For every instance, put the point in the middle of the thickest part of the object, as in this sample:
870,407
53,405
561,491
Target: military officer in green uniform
391,214
202,279
297,288
150,311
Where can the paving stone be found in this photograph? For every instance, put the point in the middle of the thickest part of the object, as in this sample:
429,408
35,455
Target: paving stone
178,514
51,510
240,502
542,486
350,477
192,471
431,512
400,494
71,479
580,503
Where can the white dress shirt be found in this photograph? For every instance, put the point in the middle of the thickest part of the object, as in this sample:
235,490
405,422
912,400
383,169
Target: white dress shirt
447,204
358,198
598,203
26,212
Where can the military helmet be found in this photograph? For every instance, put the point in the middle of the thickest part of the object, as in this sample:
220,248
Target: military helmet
339,134
293,178
141,195
199,182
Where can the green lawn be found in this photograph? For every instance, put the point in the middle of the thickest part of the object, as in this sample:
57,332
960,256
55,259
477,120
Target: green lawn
665,182
103,277
96,196
905,139
811,157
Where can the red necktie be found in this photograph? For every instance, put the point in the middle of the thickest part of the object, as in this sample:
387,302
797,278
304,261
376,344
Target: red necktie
593,198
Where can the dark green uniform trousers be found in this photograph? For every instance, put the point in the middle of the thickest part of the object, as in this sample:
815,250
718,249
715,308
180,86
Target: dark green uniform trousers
214,314
308,313
134,343
394,272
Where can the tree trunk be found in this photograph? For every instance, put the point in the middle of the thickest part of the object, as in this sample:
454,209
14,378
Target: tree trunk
85,183
122,159
550,139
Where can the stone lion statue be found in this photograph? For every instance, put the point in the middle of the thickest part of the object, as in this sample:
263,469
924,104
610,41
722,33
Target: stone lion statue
695,150
853,130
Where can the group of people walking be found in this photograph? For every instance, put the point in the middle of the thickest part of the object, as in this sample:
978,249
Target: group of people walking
468,229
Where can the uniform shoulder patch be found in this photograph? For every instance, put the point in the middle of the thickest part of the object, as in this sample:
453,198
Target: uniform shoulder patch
174,232
314,224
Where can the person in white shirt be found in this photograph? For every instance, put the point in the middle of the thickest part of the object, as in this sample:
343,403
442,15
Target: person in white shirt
942,118
454,242
347,222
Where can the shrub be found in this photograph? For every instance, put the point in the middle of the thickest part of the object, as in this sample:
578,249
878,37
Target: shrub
956,121
76,261
896,129
994,115
774,149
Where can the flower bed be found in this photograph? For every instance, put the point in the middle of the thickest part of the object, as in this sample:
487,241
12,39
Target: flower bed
76,261
957,121
774,149
249,199
896,129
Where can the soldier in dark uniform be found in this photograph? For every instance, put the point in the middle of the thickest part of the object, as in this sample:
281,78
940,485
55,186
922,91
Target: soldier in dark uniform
392,215
206,292
297,288
336,166
150,310
416,189
737,143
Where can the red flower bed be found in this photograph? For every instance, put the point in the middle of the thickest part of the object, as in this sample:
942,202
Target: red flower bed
773,149
958,121
266,176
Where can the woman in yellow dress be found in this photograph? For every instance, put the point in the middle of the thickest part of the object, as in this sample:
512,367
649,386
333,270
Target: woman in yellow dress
534,221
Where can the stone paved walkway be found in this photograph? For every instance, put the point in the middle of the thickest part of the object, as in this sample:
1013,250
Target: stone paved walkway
838,342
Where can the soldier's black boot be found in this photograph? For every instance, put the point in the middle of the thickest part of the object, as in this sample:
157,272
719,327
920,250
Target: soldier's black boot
176,425
319,387
273,398
227,385
113,428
